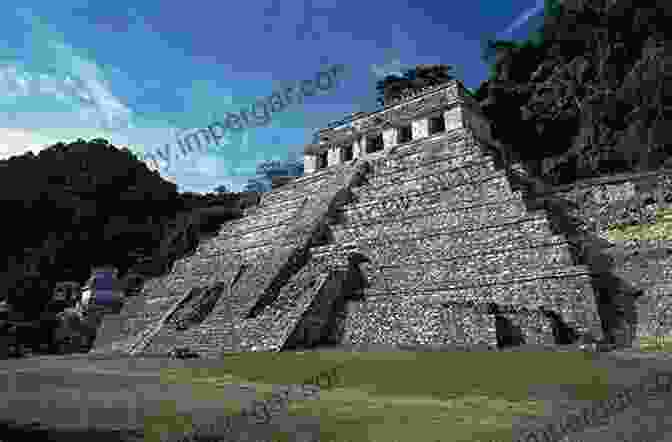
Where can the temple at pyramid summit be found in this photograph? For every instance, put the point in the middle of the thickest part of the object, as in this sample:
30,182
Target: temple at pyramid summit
409,228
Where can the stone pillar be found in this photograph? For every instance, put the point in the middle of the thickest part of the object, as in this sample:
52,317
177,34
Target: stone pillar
455,118
389,138
360,150
420,128
333,156
309,164
355,149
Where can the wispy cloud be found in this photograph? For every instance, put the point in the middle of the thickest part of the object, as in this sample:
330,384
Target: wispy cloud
523,18
392,68
49,93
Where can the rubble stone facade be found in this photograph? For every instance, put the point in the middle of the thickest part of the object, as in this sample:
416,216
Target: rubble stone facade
426,241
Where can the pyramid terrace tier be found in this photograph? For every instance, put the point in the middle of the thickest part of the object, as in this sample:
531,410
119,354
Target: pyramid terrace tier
259,229
413,249
454,314
437,217
430,202
299,187
459,147
452,169
264,223
478,266
465,190
279,201
434,219
456,147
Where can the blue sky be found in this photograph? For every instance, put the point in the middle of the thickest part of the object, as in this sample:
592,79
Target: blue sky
136,73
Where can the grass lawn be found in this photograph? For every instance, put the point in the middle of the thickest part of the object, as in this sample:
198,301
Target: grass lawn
651,344
401,396
660,230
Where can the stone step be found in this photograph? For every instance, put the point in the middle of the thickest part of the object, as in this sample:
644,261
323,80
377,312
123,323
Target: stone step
518,287
260,229
463,190
441,220
267,332
201,270
299,187
201,340
268,215
160,294
270,330
276,203
508,210
476,167
415,205
480,264
438,150
410,249
454,143
257,284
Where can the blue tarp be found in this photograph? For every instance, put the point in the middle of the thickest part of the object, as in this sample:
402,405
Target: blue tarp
105,290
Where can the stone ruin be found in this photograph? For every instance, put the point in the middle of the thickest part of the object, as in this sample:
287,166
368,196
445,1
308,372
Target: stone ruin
410,227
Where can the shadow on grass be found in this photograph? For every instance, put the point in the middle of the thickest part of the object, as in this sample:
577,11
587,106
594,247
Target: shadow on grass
420,396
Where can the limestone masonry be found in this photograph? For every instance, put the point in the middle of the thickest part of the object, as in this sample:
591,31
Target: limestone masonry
411,227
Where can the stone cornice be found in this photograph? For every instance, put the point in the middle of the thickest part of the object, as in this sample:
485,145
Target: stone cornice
402,112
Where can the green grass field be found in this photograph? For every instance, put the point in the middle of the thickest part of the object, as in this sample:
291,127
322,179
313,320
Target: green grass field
660,230
401,396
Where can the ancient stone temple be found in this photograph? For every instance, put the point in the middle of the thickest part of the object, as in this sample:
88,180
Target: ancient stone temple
405,230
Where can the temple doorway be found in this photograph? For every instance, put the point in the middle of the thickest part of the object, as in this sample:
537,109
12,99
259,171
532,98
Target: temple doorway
508,334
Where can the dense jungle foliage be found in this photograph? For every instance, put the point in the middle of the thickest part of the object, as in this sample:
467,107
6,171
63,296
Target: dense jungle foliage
588,94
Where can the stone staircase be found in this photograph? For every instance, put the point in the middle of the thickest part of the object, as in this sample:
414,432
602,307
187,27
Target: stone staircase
264,252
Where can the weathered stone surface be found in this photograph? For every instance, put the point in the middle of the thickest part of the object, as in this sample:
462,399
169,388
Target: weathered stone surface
449,252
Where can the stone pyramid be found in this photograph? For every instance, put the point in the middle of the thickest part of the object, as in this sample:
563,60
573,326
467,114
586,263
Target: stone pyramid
405,231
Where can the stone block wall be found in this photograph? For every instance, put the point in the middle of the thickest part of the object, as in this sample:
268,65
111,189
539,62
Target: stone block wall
314,326
396,321
390,137
537,329
623,199
632,267
646,265
420,128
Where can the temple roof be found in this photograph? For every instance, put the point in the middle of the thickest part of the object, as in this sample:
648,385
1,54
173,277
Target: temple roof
400,111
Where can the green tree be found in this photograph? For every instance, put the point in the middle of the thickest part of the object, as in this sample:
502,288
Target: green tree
255,185
424,75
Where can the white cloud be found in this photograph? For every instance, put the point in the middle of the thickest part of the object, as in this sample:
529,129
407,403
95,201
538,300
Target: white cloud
49,93
524,17
17,142
392,68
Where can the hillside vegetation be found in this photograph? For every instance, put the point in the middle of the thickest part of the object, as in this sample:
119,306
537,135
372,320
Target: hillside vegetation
590,93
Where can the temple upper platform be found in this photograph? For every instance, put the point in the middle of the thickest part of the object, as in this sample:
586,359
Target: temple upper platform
416,116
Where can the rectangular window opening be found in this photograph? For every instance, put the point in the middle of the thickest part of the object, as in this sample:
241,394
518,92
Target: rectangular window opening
437,125
374,143
405,134
346,153
322,160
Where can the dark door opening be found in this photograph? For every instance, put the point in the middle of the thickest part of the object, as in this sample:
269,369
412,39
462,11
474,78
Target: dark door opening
562,333
374,143
508,334
437,125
